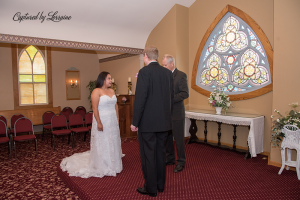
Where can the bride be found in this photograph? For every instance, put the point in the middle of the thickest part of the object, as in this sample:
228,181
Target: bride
104,157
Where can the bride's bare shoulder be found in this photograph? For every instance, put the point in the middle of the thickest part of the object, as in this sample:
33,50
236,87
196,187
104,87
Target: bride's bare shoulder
96,92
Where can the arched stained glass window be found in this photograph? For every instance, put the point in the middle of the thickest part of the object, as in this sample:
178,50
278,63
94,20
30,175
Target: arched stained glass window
233,57
32,77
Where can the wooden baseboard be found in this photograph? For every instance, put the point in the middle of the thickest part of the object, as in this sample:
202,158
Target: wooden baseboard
265,153
278,164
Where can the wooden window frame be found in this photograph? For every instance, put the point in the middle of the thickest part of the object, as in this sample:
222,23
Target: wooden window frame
16,91
262,37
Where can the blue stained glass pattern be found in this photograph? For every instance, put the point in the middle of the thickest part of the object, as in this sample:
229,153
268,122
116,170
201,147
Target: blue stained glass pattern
255,43
231,88
238,69
210,48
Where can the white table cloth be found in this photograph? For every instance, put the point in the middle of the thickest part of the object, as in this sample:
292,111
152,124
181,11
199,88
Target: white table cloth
256,123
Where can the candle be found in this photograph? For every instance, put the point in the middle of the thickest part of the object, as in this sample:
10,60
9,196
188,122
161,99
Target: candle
76,82
113,80
129,79
71,82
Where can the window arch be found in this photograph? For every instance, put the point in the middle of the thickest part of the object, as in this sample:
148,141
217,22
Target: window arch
235,55
32,77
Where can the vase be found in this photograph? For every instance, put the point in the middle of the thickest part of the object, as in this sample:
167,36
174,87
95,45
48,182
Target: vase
218,110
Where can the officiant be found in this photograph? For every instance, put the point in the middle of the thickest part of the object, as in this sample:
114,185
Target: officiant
181,92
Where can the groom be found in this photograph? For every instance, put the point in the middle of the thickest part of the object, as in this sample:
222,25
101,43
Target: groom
152,119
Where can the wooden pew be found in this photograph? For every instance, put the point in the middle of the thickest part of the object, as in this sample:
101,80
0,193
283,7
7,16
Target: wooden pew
35,115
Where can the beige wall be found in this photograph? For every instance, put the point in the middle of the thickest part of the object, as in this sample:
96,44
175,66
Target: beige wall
286,52
62,59
200,18
120,70
171,36
86,62
6,81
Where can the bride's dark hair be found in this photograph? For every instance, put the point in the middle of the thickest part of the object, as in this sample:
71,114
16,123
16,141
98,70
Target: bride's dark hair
101,78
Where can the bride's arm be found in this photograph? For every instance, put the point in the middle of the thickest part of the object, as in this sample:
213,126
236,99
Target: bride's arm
95,97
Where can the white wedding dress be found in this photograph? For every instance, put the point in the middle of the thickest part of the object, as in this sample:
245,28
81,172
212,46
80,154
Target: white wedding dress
105,155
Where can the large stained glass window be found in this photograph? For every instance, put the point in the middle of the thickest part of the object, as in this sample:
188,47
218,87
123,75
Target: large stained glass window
233,59
32,77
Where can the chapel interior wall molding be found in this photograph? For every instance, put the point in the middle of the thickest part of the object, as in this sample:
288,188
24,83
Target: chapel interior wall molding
6,38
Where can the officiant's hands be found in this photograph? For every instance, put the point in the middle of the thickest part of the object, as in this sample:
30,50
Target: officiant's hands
133,128
100,126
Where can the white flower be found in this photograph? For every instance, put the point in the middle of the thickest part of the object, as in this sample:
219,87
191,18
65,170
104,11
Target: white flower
278,120
275,110
272,116
227,98
228,104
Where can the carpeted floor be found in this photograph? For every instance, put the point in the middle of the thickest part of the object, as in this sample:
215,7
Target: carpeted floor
210,173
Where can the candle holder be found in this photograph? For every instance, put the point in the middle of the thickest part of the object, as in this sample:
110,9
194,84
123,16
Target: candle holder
114,87
73,84
129,88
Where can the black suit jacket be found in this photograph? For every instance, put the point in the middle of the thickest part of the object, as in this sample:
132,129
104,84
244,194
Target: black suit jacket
153,99
181,92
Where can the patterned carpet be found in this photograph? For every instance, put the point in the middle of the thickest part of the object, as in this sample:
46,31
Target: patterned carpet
210,173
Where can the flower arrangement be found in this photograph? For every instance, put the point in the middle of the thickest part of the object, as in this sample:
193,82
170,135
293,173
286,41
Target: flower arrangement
293,118
219,99
124,99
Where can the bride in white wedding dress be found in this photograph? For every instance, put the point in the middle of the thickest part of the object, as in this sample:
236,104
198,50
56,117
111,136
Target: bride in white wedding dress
105,155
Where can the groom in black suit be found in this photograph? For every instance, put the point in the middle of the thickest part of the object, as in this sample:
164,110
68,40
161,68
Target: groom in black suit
152,119
181,92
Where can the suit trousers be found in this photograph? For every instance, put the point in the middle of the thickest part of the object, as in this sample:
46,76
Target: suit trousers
153,159
178,133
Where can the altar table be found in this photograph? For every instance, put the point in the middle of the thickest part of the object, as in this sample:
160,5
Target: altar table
256,129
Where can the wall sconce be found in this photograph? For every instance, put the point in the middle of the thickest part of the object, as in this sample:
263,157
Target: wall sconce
73,84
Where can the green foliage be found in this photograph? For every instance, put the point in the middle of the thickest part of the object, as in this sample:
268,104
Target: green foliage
293,118
91,86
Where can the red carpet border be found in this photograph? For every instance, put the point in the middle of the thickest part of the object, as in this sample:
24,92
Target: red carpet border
210,173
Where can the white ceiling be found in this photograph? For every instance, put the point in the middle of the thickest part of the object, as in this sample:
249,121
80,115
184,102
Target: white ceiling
126,23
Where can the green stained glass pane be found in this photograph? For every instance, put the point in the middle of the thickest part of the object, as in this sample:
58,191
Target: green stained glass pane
40,93
39,78
25,64
38,64
26,93
25,78
31,51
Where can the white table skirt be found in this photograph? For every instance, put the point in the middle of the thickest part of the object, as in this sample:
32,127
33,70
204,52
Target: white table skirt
256,132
